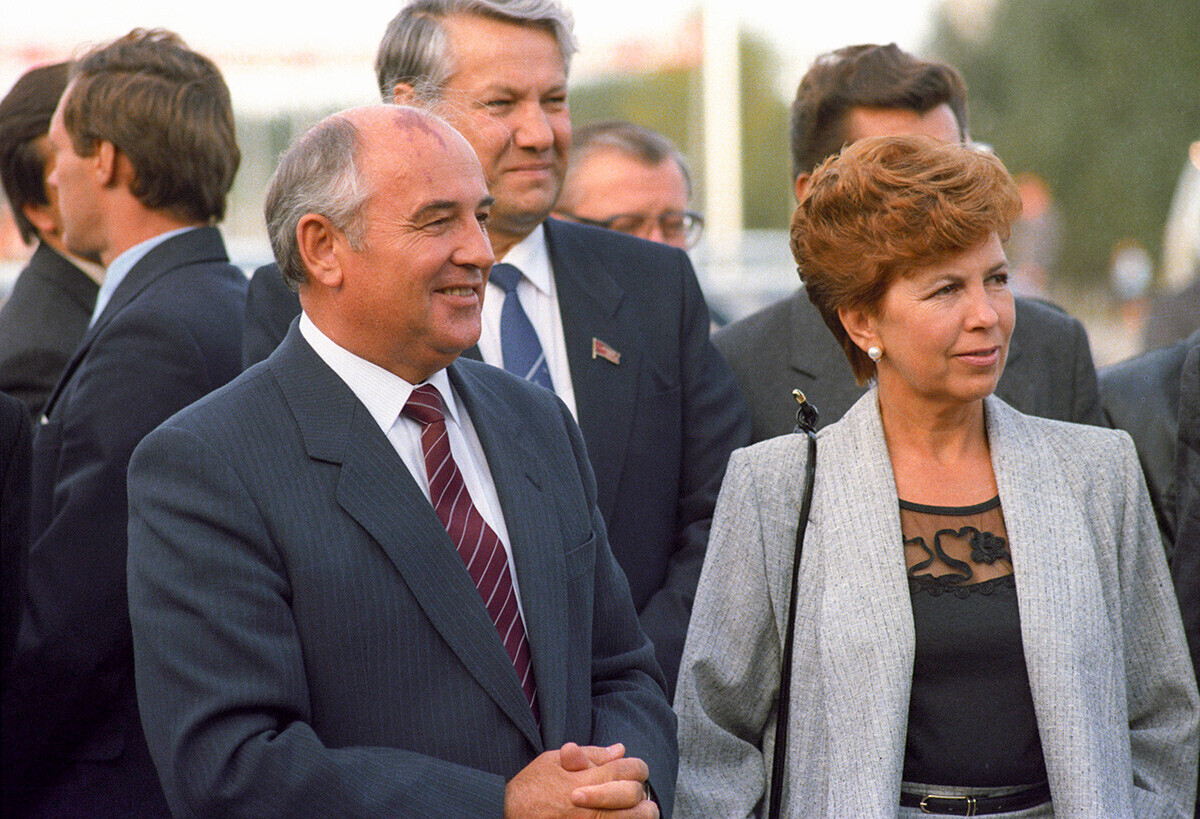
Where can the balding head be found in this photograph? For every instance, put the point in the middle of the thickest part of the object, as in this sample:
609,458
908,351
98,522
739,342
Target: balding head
378,214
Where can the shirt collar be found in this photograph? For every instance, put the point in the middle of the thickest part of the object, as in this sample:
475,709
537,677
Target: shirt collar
532,258
383,393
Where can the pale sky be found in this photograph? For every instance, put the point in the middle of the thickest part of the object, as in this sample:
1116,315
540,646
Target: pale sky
240,34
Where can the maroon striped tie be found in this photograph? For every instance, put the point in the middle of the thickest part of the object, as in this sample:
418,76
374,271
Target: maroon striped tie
479,547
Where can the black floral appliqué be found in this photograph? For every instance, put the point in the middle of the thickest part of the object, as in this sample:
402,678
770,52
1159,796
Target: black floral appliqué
988,548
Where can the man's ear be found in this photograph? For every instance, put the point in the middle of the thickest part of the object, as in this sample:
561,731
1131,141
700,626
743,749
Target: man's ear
110,165
860,326
403,94
44,218
801,186
318,240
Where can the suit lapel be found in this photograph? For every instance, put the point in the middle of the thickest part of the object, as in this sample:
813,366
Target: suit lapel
605,393
193,247
523,484
866,603
1065,629
376,489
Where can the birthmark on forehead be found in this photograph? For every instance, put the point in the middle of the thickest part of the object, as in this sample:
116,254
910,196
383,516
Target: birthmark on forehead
410,121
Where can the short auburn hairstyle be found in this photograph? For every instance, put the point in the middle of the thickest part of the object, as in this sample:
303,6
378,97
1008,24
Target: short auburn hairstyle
166,108
885,206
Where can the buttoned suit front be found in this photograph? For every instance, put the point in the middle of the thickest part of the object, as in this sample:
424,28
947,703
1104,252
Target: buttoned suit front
659,422
1112,686
308,639
171,333
787,346
41,324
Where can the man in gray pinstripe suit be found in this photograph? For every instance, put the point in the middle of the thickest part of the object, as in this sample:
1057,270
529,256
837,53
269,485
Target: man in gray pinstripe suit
308,640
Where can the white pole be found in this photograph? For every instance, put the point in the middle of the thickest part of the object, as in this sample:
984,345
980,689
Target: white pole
722,132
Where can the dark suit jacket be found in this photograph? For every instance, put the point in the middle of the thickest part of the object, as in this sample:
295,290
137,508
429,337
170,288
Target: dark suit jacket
787,346
41,325
308,641
170,334
659,425
15,449
1141,396
1184,497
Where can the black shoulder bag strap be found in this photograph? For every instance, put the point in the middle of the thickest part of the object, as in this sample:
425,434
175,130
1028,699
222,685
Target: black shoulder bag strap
806,422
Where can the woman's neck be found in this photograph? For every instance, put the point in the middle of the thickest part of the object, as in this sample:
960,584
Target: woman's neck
939,452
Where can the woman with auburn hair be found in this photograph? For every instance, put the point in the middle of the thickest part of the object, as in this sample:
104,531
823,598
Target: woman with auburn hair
983,622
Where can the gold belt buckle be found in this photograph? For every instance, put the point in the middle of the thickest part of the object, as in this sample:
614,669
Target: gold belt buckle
970,800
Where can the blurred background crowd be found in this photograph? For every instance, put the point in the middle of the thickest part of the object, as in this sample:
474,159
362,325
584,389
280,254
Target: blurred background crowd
1093,104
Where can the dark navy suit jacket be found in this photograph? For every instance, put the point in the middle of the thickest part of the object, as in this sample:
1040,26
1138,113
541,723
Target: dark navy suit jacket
41,324
171,333
308,641
659,425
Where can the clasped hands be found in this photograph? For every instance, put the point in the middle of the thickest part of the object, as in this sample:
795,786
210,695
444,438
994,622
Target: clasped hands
581,781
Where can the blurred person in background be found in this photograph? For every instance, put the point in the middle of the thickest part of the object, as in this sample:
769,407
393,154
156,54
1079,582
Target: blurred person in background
984,620
566,304
1036,237
1185,499
846,95
47,312
144,156
1141,396
631,179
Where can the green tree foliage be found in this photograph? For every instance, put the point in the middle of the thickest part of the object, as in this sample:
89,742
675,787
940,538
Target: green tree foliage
1099,97
669,101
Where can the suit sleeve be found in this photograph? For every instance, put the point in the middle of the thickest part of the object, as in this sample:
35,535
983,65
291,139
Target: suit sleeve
1161,688
730,671
715,422
74,654
220,670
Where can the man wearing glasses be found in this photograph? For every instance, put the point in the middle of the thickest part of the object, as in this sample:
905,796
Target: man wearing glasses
631,179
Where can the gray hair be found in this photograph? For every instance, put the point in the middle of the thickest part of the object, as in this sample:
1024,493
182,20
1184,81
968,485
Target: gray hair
415,51
637,142
317,174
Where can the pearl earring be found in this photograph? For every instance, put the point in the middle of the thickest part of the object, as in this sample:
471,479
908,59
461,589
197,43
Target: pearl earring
874,353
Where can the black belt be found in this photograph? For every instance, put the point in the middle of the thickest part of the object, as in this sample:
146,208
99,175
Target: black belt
976,805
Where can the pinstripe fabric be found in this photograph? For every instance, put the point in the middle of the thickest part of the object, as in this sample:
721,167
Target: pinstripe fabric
309,642
1115,698
479,547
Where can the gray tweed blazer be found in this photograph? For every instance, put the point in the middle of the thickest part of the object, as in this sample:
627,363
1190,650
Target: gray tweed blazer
1112,685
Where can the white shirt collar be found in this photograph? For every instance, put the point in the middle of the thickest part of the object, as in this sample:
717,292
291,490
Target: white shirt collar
383,393
532,258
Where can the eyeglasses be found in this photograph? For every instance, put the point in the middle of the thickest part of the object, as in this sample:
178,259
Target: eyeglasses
681,227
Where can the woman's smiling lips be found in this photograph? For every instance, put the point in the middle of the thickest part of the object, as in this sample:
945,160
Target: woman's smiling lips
985,357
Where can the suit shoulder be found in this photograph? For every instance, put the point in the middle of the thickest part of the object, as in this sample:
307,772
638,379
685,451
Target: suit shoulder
625,256
1099,445
766,323
1154,370
1045,316
237,403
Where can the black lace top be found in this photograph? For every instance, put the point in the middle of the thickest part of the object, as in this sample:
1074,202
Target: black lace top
970,720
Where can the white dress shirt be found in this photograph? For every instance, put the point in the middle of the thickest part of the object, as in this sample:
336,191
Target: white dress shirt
539,299
384,394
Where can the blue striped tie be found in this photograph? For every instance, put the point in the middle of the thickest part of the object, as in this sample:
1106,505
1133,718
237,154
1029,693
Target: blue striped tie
519,345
